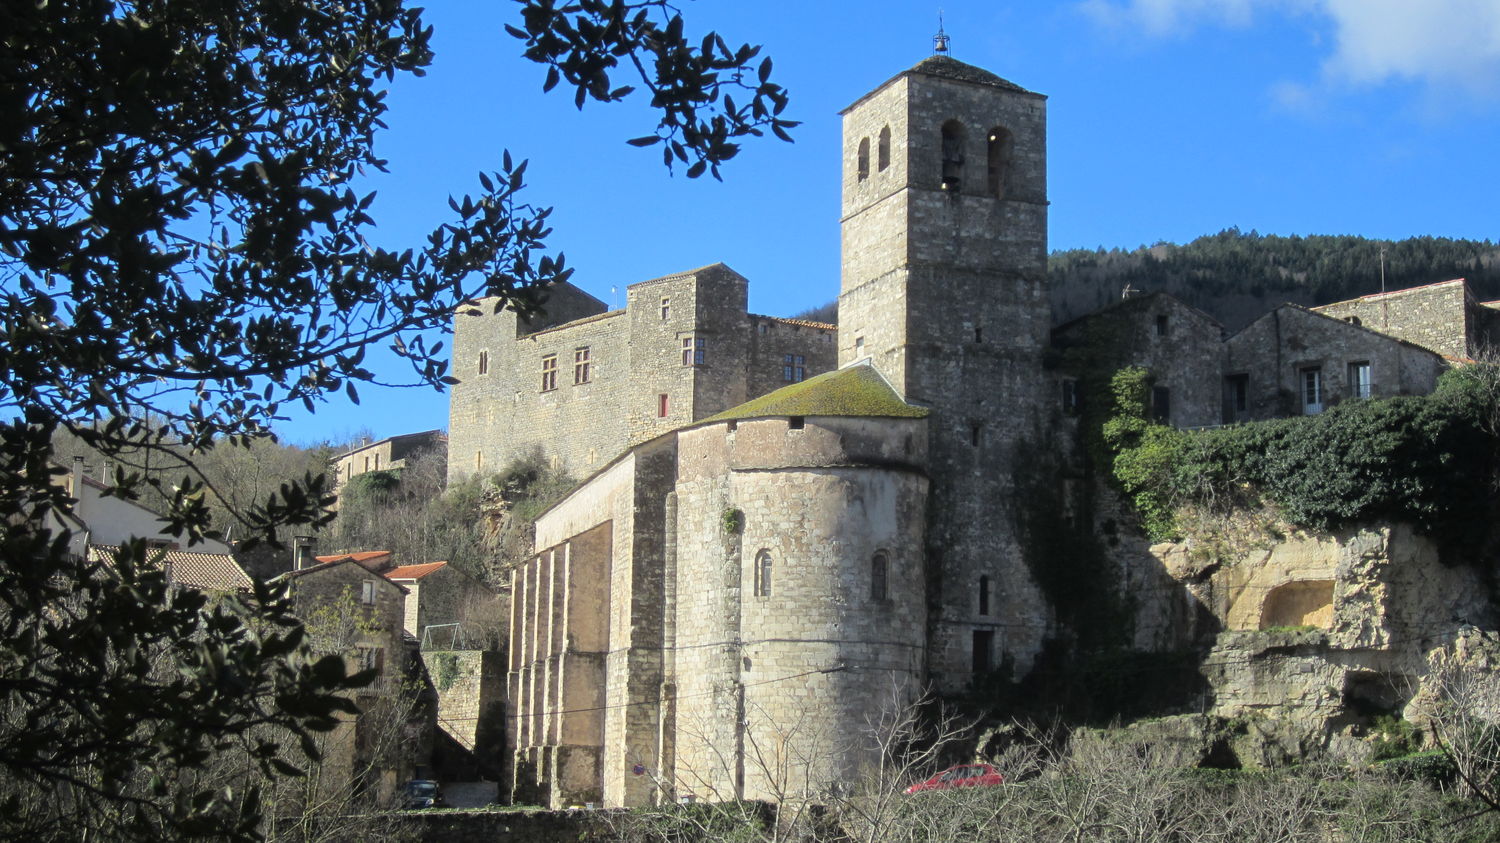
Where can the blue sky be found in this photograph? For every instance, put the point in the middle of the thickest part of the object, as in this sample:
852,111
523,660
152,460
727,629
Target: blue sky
1168,119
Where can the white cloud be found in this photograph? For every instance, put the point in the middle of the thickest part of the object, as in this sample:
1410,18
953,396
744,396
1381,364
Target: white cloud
1436,41
1443,43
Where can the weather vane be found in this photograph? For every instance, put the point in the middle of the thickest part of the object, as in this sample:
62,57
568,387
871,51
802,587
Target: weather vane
940,40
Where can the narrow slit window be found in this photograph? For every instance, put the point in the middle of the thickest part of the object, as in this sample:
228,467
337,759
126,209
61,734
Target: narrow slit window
763,573
879,574
484,362
984,595
883,153
999,157
862,165
953,155
662,407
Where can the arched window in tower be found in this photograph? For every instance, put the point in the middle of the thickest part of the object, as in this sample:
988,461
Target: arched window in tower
864,159
879,575
953,155
763,573
883,149
984,595
1000,147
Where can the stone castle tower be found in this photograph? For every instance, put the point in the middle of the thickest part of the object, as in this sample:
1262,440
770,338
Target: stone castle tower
944,228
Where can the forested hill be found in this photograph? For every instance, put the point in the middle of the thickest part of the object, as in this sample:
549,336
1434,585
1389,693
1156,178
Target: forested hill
1237,276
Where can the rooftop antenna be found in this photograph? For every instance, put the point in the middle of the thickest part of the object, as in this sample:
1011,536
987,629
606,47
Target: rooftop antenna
1382,269
940,40
1128,291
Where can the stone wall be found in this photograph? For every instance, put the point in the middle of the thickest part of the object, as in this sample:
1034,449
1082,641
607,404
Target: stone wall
943,288
1435,316
780,639
470,687
523,386
1274,352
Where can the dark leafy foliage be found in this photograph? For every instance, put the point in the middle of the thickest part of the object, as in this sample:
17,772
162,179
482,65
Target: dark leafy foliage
1237,276
1428,461
181,255
692,87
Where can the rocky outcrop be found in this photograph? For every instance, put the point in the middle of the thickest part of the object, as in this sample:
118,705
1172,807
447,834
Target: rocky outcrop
1322,632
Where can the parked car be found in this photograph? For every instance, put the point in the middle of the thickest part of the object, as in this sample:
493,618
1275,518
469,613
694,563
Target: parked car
422,793
963,775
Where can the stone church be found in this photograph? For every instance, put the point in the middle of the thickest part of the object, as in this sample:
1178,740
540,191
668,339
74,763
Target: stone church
786,528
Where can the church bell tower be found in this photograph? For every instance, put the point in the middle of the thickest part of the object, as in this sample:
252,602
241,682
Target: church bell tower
943,289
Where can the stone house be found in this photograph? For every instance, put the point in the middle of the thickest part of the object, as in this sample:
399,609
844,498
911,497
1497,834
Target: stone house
1291,361
1445,317
353,611
389,454
446,607
786,529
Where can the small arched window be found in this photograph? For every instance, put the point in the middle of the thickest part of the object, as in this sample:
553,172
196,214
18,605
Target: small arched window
763,573
953,155
883,150
984,595
879,575
999,161
864,159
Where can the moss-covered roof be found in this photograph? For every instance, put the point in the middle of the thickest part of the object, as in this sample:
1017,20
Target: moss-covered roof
853,391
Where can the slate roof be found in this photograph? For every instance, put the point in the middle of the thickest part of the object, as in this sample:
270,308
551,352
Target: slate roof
856,390
947,67
208,571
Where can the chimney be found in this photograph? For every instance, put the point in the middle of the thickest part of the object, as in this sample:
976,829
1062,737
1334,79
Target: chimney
75,487
303,555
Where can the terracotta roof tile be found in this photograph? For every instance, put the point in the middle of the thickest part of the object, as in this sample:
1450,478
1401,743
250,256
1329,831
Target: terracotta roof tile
209,571
414,572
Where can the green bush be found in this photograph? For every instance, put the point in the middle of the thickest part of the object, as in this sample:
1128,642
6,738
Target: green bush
1423,460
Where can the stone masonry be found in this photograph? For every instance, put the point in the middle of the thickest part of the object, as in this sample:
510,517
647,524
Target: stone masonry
757,565
683,349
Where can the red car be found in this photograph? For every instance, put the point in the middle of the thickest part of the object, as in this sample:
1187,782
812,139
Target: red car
963,775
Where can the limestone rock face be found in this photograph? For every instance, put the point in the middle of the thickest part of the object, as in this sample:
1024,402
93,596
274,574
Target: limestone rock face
1320,632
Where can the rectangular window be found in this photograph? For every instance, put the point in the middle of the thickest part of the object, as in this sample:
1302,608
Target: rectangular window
693,351
581,365
1070,396
484,362
1161,404
661,406
1359,379
367,592
859,347
1312,390
879,572
793,368
372,658
666,308
549,373
1161,325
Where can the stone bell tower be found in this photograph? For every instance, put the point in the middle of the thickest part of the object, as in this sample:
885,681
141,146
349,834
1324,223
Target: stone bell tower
944,238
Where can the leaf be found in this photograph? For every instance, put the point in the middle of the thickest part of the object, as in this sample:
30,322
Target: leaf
648,140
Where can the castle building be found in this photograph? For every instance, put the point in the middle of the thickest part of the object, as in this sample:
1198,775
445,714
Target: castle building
784,530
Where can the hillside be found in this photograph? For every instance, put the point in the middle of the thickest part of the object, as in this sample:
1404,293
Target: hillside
1237,276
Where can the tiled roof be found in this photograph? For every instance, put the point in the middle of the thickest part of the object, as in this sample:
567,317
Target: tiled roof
208,571
414,572
1394,293
804,323
372,559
